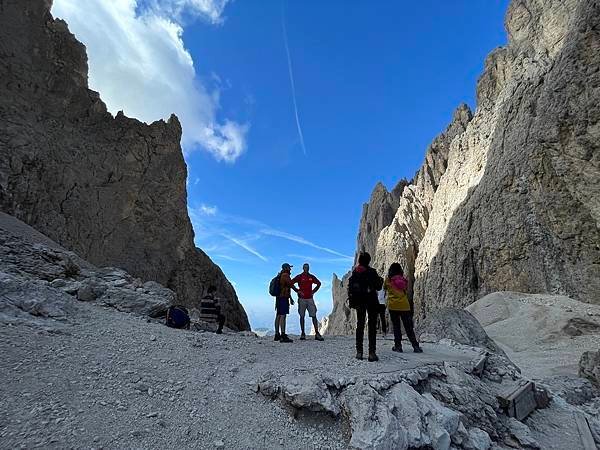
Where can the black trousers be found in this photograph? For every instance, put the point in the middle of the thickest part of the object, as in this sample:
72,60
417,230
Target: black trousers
407,321
221,322
372,311
382,318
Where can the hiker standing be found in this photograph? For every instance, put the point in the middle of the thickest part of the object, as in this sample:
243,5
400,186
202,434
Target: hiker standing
362,294
399,306
282,303
305,282
210,309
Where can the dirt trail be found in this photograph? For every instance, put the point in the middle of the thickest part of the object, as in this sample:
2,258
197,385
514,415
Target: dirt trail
106,379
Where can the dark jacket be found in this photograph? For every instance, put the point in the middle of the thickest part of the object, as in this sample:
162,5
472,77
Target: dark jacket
374,282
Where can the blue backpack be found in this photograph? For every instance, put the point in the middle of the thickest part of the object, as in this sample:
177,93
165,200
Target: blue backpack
178,317
274,286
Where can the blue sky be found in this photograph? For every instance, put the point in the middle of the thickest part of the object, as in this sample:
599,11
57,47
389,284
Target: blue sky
374,82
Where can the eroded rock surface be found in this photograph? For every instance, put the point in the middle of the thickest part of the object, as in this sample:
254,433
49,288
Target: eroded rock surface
458,325
111,189
518,207
41,280
436,400
508,198
589,366
544,335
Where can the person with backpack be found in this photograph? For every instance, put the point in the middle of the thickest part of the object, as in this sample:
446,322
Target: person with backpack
305,282
396,287
281,288
210,309
362,295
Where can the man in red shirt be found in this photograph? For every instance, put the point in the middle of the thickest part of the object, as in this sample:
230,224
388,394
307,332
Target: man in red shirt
305,282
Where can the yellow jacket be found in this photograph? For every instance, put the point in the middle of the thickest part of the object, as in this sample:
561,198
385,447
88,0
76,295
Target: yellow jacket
395,289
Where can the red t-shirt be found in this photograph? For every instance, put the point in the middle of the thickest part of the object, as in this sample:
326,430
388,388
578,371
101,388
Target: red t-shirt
305,284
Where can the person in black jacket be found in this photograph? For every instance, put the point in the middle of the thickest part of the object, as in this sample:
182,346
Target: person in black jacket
362,293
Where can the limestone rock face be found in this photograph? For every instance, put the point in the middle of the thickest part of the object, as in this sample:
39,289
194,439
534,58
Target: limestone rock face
342,319
110,189
519,205
508,199
377,214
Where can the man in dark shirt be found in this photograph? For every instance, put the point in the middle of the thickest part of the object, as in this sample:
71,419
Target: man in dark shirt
306,292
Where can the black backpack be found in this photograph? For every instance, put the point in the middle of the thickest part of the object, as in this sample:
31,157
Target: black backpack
358,289
178,317
274,286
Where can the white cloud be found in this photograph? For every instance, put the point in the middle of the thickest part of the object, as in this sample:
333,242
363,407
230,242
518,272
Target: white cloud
211,10
208,210
139,64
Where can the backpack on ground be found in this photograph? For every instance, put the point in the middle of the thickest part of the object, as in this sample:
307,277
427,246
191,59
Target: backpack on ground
358,289
275,286
178,317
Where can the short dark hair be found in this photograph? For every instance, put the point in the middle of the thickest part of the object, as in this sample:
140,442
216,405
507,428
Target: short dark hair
364,259
395,269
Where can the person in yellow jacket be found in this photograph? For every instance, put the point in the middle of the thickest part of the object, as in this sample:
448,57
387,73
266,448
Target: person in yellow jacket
396,287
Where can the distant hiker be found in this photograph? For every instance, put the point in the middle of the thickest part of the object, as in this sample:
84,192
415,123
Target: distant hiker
362,295
396,287
281,287
381,309
210,309
305,282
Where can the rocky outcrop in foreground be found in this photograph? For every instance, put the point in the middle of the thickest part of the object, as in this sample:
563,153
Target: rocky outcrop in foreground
508,198
111,189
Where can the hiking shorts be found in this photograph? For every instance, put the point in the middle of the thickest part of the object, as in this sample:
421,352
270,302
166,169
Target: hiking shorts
305,304
282,306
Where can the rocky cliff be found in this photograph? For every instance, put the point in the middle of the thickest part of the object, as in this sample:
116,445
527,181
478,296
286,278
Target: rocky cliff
509,198
111,189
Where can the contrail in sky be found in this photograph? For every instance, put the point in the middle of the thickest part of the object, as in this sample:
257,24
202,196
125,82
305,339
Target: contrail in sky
289,60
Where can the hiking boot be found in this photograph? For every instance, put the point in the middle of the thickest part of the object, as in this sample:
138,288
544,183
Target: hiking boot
277,337
373,357
417,349
219,331
303,337
318,337
285,338
359,355
397,348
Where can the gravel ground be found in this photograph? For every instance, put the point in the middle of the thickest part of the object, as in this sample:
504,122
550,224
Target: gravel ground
105,379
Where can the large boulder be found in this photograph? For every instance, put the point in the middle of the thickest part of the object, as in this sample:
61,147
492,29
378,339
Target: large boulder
458,325
111,189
